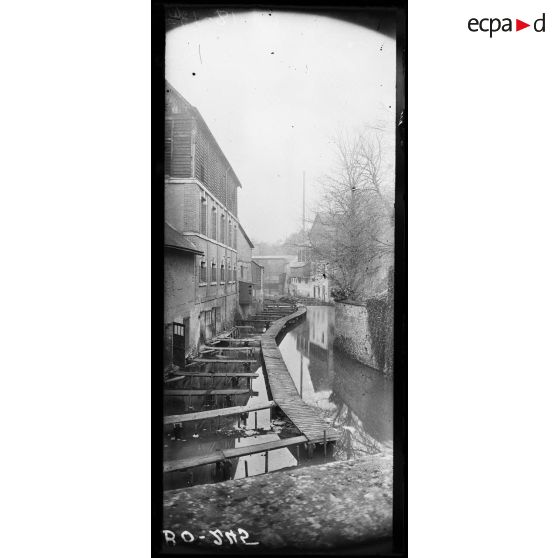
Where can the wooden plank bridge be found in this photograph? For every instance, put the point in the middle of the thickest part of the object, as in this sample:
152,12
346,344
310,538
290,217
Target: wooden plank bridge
283,390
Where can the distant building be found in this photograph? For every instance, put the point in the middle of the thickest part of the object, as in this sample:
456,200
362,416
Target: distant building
200,208
250,284
275,273
309,275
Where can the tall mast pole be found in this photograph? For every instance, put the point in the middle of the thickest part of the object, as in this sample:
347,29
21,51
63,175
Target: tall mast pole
303,201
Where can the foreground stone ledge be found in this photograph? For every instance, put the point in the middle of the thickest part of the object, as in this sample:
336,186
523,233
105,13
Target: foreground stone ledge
322,506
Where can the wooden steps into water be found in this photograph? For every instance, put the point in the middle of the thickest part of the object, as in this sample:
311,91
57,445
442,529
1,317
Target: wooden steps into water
197,392
216,413
225,360
213,349
250,375
213,375
230,453
255,341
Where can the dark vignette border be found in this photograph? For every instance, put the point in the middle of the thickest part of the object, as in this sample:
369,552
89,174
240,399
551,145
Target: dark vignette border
353,10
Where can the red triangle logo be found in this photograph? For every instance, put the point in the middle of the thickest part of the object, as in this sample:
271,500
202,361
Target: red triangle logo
519,25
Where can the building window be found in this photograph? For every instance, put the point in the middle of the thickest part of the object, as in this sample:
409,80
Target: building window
229,272
222,279
203,156
217,318
214,223
234,274
203,216
234,240
222,229
203,273
242,272
230,232
213,272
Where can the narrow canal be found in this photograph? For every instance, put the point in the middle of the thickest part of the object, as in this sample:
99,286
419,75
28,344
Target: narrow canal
353,397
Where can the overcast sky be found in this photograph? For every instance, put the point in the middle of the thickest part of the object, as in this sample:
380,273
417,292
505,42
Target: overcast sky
275,90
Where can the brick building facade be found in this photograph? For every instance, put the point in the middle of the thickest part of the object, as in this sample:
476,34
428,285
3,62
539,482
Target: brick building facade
201,205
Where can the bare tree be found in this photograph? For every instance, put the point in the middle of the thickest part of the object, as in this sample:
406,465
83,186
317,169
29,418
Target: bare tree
355,235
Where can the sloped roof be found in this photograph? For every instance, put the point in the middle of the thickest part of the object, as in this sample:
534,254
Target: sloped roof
202,122
298,264
245,235
173,239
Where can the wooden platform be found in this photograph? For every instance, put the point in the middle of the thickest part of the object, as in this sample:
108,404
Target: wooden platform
212,349
216,413
213,375
254,340
226,360
230,453
182,392
283,389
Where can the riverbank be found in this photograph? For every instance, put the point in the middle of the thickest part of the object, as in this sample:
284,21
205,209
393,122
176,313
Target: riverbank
338,504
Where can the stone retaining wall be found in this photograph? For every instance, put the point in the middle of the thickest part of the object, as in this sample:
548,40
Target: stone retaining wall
352,334
365,331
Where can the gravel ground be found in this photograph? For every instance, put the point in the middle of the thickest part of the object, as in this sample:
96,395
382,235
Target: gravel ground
327,506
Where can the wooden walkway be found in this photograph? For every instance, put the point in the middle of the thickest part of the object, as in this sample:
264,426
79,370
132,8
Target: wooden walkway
283,389
214,349
226,360
232,342
230,453
201,391
216,413
213,375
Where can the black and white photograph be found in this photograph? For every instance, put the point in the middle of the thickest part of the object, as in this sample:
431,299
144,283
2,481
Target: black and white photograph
279,279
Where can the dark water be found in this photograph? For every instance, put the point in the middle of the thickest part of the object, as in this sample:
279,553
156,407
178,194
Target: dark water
204,437
354,397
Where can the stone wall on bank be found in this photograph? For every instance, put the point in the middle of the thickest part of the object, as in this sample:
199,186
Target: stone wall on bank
364,331
352,334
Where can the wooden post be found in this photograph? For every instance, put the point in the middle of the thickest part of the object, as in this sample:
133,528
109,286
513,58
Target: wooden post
255,420
266,461
245,468
298,452
325,444
310,450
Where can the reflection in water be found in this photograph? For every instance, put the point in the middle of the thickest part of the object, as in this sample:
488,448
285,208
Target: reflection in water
356,398
208,436
255,464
